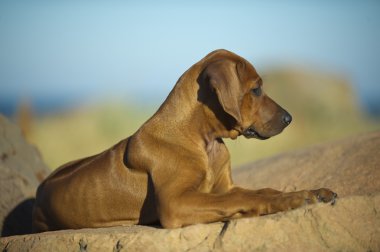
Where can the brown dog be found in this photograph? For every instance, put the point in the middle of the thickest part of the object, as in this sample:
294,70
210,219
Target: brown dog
176,169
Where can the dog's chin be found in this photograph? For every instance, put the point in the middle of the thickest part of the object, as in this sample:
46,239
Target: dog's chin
252,133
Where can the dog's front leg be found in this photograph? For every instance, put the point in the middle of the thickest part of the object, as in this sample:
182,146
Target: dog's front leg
180,200
277,201
193,207
180,203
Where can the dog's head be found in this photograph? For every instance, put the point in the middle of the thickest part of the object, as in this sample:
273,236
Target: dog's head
239,91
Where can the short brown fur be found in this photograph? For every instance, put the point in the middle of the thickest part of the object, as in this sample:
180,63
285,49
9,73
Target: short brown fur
175,170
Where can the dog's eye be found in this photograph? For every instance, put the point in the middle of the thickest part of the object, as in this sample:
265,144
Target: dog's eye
256,91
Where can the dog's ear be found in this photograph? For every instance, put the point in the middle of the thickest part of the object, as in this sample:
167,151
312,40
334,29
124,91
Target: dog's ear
223,78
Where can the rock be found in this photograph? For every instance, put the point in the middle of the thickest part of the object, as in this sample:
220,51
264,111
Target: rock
351,225
349,167
21,170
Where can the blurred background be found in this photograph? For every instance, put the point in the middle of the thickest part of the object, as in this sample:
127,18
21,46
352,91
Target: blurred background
78,76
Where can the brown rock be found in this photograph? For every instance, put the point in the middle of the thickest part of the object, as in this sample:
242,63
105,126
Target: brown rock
350,167
21,170
351,225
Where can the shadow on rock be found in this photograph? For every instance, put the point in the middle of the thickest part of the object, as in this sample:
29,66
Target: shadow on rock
19,220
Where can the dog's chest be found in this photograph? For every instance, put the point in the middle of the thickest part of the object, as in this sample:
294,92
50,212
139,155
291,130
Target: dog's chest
218,157
208,182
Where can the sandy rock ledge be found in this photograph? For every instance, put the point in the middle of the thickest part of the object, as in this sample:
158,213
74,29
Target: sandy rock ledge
21,171
313,228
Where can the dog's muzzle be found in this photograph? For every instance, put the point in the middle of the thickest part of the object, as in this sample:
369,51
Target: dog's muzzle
252,133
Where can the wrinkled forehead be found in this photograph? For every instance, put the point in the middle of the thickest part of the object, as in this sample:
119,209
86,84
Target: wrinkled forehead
247,72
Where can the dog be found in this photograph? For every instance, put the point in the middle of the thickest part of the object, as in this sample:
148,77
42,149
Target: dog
175,170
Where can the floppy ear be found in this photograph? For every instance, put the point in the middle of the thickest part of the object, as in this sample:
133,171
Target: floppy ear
223,78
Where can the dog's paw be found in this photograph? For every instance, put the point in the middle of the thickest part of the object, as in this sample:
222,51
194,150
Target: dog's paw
325,195
292,200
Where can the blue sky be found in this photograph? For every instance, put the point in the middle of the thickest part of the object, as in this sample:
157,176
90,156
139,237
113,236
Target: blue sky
74,50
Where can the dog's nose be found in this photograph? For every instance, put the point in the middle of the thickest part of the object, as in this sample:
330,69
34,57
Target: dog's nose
287,118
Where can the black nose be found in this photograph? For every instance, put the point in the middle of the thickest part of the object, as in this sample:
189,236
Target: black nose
287,118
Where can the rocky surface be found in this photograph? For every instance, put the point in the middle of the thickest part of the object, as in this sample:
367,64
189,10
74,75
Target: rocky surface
349,167
351,225
21,170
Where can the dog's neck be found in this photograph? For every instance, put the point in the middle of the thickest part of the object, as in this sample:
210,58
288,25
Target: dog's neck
184,107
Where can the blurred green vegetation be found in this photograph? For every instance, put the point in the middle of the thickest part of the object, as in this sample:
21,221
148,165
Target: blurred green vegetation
323,106
84,131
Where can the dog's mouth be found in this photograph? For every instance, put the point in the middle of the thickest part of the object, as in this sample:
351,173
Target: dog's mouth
252,133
